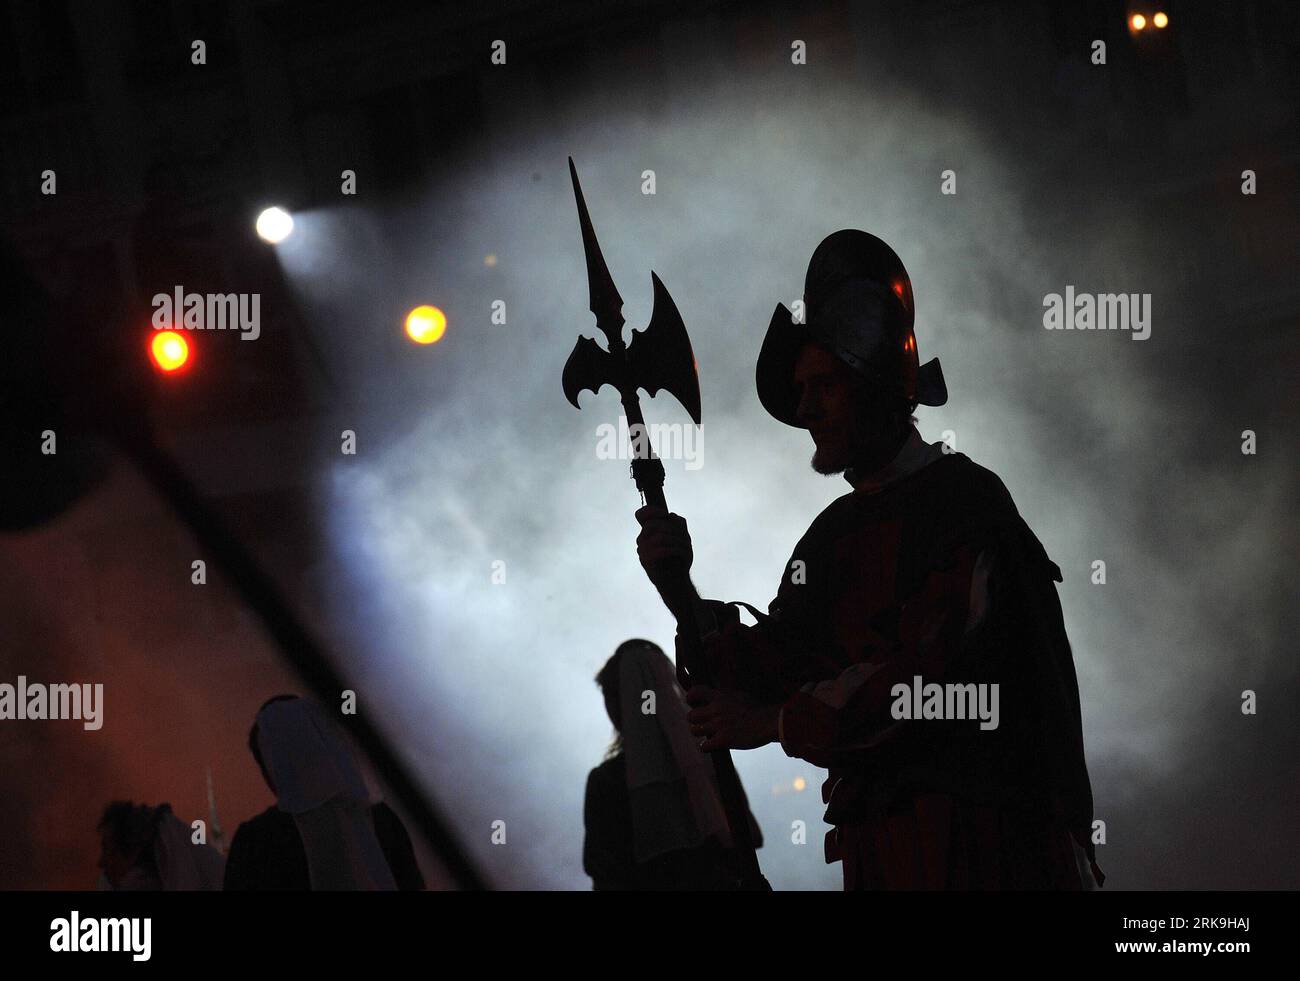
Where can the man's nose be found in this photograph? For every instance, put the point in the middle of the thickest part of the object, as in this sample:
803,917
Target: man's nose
809,408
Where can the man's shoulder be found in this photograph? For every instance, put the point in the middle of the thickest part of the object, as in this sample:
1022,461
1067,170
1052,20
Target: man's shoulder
966,480
954,497
980,495
952,480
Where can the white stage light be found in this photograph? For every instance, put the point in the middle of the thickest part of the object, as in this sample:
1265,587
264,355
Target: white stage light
274,225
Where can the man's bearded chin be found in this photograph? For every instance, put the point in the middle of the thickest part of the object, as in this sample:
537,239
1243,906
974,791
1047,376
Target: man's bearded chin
831,460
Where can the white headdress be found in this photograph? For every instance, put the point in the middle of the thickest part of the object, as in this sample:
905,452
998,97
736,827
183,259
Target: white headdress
672,786
319,784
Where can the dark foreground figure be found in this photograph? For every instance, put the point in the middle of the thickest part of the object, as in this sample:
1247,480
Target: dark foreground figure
924,574
322,834
654,819
145,848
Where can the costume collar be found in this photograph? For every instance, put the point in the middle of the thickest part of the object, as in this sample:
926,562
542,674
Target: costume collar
915,454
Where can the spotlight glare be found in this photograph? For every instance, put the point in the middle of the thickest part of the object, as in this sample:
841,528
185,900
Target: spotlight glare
170,350
1161,19
426,324
274,225
1138,22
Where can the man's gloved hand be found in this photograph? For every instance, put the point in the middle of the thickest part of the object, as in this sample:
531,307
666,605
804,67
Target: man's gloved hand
730,719
664,548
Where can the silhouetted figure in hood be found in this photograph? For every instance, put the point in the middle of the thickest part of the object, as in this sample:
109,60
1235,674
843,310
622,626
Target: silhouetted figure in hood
323,833
653,816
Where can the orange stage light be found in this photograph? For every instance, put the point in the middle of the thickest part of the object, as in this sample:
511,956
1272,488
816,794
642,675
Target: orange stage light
426,324
170,350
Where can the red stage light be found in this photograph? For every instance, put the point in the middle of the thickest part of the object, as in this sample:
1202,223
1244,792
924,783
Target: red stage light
169,350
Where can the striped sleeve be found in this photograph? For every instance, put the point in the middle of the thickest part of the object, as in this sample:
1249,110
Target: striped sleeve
852,711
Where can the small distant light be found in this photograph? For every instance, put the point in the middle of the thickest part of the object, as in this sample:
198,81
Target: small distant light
1137,22
490,260
170,350
800,783
426,324
274,225
1160,19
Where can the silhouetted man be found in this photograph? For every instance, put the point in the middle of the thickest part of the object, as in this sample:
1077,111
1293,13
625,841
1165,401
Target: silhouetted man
915,648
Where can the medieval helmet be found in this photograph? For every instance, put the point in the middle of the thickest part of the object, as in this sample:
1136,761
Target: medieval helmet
858,300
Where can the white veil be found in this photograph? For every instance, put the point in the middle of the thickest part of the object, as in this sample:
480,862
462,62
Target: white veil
319,784
671,785
183,865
